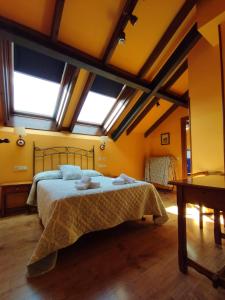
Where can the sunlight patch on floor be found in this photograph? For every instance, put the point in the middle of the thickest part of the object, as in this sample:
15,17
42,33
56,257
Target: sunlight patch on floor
192,213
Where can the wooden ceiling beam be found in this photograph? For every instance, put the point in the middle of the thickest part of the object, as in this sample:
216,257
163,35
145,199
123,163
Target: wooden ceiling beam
180,101
123,20
172,97
167,36
163,42
161,120
165,116
143,114
57,16
42,43
165,72
177,74
81,101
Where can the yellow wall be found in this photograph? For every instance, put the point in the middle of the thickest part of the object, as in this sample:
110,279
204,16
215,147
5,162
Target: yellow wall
126,155
206,107
172,125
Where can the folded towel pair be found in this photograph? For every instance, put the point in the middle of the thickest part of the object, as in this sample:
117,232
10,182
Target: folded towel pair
86,183
123,179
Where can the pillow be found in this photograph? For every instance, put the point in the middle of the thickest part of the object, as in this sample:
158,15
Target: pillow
91,173
70,172
54,174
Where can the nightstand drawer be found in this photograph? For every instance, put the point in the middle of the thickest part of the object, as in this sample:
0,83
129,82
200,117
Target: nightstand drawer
16,189
13,198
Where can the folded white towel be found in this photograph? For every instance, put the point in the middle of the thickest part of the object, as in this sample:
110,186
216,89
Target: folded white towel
118,181
86,183
123,179
94,185
127,179
85,179
81,185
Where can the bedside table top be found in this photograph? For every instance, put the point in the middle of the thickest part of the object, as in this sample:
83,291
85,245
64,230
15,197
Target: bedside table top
16,183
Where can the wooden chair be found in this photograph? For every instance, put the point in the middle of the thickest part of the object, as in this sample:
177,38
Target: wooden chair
218,235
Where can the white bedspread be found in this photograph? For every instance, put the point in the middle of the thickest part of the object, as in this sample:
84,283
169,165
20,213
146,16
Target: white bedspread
68,213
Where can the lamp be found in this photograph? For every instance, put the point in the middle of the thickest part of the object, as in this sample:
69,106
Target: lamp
21,132
103,140
122,38
4,141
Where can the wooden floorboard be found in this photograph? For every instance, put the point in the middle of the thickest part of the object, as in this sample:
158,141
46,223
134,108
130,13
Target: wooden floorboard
136,260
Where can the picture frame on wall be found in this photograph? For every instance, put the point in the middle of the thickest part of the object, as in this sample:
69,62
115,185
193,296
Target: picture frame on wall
165,138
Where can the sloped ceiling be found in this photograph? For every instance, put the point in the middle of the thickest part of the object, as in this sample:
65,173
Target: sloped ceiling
89,26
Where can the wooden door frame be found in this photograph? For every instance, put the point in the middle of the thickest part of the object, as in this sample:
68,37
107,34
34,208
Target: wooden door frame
183,122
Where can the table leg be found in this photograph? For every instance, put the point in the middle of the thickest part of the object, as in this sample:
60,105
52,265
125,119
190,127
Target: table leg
217,228
182,237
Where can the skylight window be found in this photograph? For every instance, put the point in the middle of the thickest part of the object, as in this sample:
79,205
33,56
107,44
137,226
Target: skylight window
96,108
33,95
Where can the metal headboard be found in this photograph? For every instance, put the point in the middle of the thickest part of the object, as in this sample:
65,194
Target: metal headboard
49,158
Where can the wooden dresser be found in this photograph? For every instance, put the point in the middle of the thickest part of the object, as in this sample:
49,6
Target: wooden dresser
13,197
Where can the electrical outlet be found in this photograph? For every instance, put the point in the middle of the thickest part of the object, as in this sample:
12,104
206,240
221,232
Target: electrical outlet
102,165
20,168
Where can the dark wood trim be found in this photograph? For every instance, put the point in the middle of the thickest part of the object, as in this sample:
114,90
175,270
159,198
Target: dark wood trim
85,91
140,117
186,97
68,82
37,41
168,84
123,20
172,63
59,5
172,97
176,58
160,120
177,74
63,128
183,122
6,78
222,66
167,36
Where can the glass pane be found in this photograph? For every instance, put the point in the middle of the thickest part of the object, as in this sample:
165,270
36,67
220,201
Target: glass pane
34,95
95,108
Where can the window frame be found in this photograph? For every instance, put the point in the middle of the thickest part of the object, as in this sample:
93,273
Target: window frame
12,117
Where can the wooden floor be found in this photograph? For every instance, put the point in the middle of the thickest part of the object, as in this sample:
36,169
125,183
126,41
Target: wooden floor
136,260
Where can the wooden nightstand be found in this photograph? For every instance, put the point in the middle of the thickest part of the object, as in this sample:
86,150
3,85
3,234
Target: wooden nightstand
13,197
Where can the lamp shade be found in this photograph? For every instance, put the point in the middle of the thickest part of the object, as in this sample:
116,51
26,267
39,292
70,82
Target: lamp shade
20,131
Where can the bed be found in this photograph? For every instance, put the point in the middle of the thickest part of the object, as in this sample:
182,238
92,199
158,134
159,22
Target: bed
67,213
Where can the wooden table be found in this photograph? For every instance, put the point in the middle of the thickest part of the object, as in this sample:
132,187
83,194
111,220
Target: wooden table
210,192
